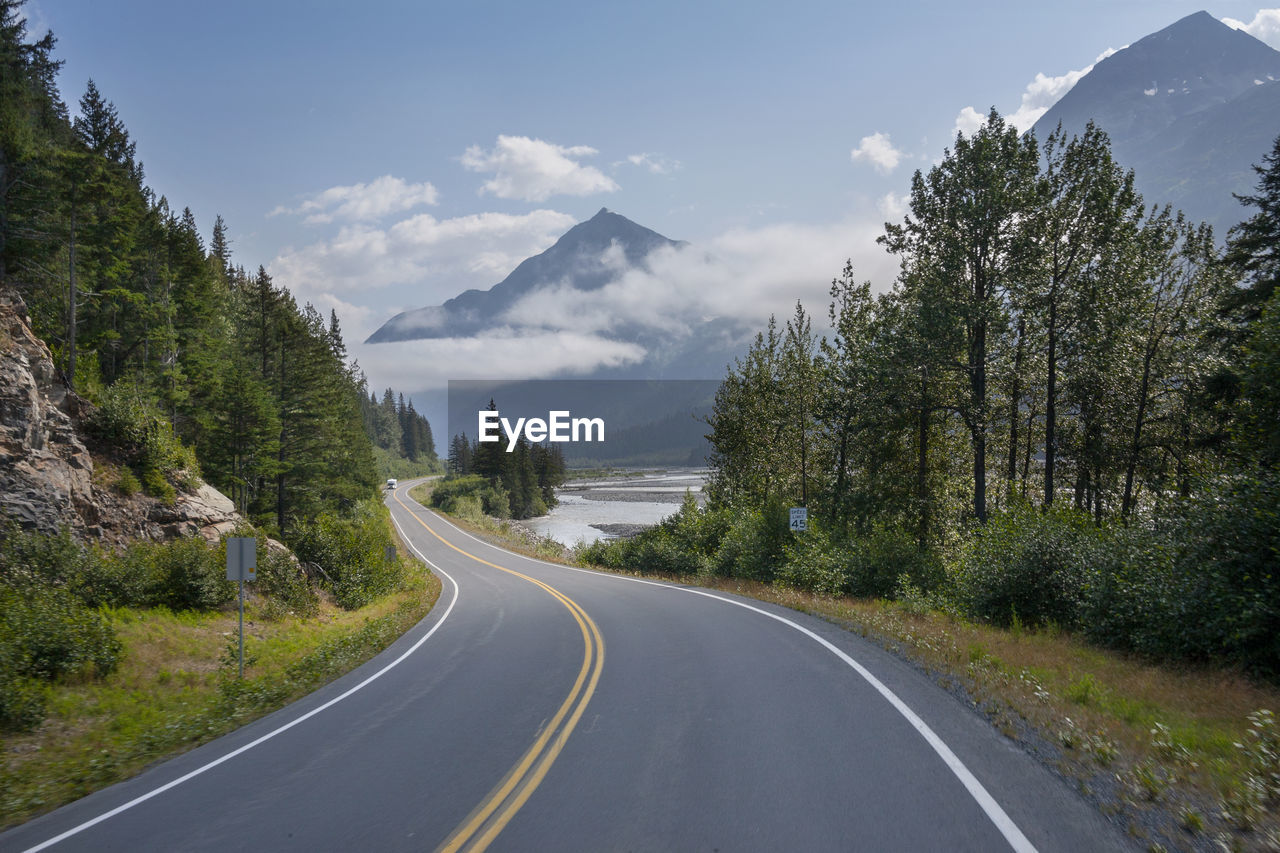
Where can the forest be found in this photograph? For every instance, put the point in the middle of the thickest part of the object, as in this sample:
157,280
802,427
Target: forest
195,369
1063,412
487,479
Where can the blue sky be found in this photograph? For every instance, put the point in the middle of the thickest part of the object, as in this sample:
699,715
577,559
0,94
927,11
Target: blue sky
388,155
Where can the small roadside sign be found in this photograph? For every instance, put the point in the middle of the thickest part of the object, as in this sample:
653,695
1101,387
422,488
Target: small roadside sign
799,519
242,558
242,565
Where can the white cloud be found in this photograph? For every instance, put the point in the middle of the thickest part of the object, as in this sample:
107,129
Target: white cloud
504,353
363,202
892,205
877,150
968,122
438,258
1265,26
534,170
1040,94
655,163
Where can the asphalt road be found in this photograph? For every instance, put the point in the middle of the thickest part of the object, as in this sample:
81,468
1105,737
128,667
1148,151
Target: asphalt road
543,708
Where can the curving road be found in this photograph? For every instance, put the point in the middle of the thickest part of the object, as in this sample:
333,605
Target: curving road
540,707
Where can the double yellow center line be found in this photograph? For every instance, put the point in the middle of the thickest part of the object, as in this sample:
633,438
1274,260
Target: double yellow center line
496,810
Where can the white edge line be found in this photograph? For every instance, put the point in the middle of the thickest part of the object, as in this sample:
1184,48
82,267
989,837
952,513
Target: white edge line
269,735
985,801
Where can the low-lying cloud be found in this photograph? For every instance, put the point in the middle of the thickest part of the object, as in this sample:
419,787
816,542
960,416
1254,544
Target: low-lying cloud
504,353
744,275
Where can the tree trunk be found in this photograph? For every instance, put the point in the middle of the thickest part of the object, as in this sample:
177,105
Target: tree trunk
1135,444
71,307
1050,406
922,464
978,384
1015,396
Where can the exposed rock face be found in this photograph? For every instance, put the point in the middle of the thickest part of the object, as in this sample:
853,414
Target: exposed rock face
46,470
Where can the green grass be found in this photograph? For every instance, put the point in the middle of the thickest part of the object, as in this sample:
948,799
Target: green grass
176,688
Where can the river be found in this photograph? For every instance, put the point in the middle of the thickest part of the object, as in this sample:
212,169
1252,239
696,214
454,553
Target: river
603,508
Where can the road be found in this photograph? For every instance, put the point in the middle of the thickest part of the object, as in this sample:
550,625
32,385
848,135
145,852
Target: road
545,708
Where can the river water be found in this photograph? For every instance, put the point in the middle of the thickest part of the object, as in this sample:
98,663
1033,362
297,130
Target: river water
605,508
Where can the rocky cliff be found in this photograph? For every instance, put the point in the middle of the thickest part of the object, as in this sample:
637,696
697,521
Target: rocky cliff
50,479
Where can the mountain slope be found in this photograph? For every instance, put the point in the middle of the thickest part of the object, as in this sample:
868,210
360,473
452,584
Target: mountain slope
583,257
1189,108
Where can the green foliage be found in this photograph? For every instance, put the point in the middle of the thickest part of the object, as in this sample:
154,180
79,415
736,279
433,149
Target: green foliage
352,551
1026,564
876,565
130,425
816,563
186,574
158,487
459,495
52,634
1259,428
283,583
46,633
128,484
753,546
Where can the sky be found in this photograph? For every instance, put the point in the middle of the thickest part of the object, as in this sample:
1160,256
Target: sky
382,156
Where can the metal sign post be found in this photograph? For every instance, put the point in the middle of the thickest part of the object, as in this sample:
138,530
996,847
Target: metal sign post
242,565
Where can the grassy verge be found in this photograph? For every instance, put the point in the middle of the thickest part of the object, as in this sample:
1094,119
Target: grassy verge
505,534
1181,757
176,688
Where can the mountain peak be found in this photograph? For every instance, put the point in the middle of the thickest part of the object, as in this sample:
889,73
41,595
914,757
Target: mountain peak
1189,108
582,258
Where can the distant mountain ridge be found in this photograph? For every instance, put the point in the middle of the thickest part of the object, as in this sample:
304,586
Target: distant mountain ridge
579,259
1190,109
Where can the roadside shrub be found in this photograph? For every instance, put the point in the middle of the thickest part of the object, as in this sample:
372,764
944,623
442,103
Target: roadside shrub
679,545
48,633
22,702
1028,565
871,566
353,553
453,495
28,557
814,563
114,580
886,558
185,574
752,547
282,582
1128,589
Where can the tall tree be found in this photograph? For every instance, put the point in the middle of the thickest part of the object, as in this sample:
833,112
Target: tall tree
1087,208
966,234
